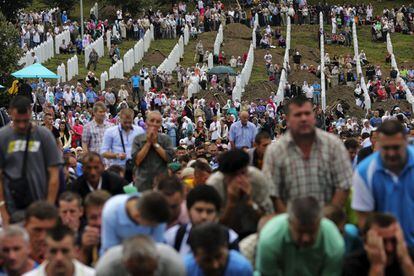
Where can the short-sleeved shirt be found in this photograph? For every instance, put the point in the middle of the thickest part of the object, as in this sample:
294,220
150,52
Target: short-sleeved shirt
135,81
93,135
117,225
42,154
278,254
152,165
378,189
327,169
237,264
112,142
242,136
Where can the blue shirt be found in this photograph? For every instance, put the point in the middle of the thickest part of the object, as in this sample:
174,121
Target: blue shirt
91,96
375,122
378,189
135,81
112,142
242,136
237,265
117,225
316,88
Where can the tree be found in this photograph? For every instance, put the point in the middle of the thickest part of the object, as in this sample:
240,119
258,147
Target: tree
10,7
63,5
10,51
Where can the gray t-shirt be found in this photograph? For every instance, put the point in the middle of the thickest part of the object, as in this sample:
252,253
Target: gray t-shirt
170,262
153,164
42,154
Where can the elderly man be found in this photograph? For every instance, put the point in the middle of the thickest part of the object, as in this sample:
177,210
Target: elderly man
151,152
242,132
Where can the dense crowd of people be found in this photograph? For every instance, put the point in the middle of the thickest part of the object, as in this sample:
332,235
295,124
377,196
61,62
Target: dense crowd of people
144,180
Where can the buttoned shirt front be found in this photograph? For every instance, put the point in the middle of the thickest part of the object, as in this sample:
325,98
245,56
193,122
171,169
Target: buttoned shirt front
242,135
327,169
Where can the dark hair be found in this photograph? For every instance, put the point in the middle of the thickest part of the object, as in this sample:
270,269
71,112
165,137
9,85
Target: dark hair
298,101
306,210
21,104
153,207
41,210
381,219
365,135
351,143
232,161
334,213
170,185
96,198
69,196
262,135
59,232
204,193
117,169
201,166
180,148
208,236
373,132
91,155
391,127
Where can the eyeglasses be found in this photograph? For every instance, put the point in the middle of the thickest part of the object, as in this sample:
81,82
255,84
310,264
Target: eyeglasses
394,147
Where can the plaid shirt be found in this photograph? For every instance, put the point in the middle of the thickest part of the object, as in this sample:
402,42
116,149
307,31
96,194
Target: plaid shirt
327,169
93,134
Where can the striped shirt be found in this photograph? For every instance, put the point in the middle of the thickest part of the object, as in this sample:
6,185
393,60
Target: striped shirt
93,134
327,169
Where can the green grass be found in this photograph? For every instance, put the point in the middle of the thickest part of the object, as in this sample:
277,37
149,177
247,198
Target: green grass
378,5
162,45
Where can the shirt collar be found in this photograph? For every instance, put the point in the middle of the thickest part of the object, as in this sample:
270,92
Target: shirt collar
408,165
123,217
98,188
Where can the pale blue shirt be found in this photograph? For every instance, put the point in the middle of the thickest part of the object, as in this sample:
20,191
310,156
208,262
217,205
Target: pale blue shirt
112,142
242,136
118,226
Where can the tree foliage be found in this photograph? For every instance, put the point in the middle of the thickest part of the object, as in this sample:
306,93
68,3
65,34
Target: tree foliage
136,6
64,5
10,7
10,54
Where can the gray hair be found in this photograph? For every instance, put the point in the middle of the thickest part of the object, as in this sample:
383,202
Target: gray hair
139,247
14,231
306,210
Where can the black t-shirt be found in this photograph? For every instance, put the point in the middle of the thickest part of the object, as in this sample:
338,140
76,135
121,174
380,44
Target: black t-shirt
357,264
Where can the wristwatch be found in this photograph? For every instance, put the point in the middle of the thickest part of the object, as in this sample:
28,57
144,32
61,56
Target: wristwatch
156,145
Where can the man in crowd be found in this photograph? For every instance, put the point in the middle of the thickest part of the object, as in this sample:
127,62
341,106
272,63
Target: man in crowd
211,255
93,132
29,161
15,248
151,152
385,251
367,151
173,190
244,192
40,218
383,181
256,154
135,82
117,140
202,172
242,132
48,123
71,210
91,235
203,204
307,161
95,177
93,59
352,147
140,255
127,215
300,242
60,256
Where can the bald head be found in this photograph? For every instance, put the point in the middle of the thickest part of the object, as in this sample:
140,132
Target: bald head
154,120
244,117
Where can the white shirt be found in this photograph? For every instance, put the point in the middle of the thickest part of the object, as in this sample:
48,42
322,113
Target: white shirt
189,142
215,130
80,270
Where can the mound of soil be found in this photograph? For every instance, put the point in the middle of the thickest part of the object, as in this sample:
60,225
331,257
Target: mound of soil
345,96
260,90
210,96
302,75
153,58
207,39
237,30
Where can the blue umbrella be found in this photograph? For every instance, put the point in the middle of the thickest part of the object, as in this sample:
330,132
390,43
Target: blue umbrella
35,71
